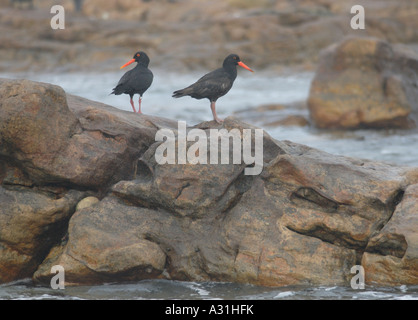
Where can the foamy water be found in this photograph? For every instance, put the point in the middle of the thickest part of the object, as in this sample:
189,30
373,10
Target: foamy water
174,290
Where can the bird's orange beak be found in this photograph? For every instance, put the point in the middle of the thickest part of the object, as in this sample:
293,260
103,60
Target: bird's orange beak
128,63
242,64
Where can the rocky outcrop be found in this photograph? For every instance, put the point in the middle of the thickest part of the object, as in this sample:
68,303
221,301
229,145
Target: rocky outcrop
307,218
365,83
51,157
85,147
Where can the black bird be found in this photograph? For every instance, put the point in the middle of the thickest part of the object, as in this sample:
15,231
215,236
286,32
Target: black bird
137,80
215,84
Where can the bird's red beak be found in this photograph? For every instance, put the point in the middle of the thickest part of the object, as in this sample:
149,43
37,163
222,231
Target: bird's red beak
128,63
242,64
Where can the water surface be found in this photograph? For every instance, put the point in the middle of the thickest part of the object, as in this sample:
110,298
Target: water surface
179,290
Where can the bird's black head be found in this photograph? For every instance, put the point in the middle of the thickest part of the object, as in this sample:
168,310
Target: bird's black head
140,57
233,59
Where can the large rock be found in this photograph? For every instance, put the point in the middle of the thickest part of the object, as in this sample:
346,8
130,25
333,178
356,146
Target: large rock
365,82
51,143
73,142
307,218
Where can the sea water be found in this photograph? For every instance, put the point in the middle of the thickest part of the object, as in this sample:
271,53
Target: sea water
182,290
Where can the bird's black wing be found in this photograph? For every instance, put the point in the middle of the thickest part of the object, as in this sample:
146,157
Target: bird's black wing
123,84
212,86
134,81
142,80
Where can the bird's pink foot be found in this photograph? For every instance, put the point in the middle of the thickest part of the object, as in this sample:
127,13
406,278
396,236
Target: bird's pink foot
215,116
139,105
133,106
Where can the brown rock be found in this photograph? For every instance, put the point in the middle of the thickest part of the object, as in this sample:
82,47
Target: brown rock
23,139
364,82
31,222
306,219
176,188
72,141
391,255
45,150
110,250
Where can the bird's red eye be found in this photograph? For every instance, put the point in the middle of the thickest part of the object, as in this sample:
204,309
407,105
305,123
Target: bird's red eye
137,54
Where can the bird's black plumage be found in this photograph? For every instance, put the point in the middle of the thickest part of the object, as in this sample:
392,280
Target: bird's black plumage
137,80
215,84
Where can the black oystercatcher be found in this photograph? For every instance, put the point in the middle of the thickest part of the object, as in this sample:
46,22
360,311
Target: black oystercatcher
215,84
137,80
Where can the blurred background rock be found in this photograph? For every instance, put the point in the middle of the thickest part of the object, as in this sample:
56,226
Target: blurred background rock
182,35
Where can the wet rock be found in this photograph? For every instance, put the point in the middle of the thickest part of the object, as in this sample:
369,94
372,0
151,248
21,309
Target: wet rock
365,82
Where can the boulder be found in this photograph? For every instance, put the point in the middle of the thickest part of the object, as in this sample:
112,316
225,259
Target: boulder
73,142
365,83
306,217
112,250
51,145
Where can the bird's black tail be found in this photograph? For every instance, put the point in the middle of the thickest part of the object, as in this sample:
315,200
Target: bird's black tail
116,90
180,93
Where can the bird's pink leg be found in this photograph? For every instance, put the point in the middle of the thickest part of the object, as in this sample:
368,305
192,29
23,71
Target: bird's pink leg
132,104
215,117
139,104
